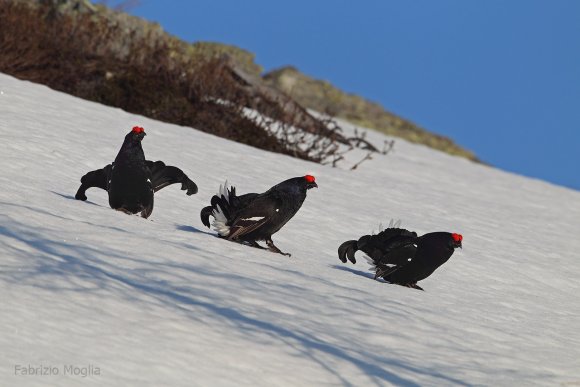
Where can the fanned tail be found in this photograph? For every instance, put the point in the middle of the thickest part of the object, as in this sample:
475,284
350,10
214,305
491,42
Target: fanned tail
220,209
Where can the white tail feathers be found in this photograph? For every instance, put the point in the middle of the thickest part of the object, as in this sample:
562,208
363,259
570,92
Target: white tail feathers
220,221
224,191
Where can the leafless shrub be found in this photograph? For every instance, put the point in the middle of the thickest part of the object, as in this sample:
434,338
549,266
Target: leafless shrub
368,156
388,146
143,72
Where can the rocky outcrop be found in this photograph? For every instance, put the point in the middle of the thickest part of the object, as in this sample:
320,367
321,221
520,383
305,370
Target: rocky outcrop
324,97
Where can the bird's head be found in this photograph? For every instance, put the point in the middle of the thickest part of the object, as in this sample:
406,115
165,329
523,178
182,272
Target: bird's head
136,134
310,181
456,240
296,185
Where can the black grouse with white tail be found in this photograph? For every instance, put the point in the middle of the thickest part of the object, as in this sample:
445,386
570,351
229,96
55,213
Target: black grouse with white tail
401,257
256,217
131,180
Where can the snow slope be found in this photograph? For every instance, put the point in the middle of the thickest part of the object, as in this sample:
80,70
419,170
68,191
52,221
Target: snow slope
162,302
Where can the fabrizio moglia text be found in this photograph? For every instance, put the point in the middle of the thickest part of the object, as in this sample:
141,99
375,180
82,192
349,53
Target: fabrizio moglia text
82,371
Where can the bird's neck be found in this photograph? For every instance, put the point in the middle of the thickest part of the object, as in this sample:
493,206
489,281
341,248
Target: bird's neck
131,152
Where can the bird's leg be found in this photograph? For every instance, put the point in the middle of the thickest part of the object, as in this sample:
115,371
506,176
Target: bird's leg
149,209
274,249
383,271
123,209
414,286
256,245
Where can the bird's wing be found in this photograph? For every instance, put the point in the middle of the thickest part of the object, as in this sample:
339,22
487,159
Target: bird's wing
392,235
400,255
163,175
385,240
243,200
393,246
97,179
257,212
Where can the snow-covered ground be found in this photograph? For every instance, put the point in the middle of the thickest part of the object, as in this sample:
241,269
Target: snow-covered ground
162,302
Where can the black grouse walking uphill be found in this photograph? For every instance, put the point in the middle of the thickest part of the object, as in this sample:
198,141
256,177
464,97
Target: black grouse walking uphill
256,217
401,257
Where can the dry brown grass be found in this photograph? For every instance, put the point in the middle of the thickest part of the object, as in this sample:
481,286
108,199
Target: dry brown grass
148,72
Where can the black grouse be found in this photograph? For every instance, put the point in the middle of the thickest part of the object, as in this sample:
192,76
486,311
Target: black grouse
401,257
256,217
131,180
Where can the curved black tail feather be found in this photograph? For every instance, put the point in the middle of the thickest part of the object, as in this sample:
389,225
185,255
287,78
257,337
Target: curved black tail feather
205,214
347,249
221,206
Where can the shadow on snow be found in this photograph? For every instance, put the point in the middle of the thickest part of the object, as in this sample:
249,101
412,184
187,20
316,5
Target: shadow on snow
55,265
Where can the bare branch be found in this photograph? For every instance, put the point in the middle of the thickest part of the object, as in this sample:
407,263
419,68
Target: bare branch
367,157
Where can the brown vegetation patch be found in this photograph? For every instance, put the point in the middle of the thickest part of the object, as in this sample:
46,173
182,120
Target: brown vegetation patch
122,61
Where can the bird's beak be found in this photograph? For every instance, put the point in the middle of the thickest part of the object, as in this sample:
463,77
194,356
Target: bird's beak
311,185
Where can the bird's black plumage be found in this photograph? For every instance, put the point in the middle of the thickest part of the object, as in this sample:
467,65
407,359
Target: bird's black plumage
256,217
400,256
131,180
